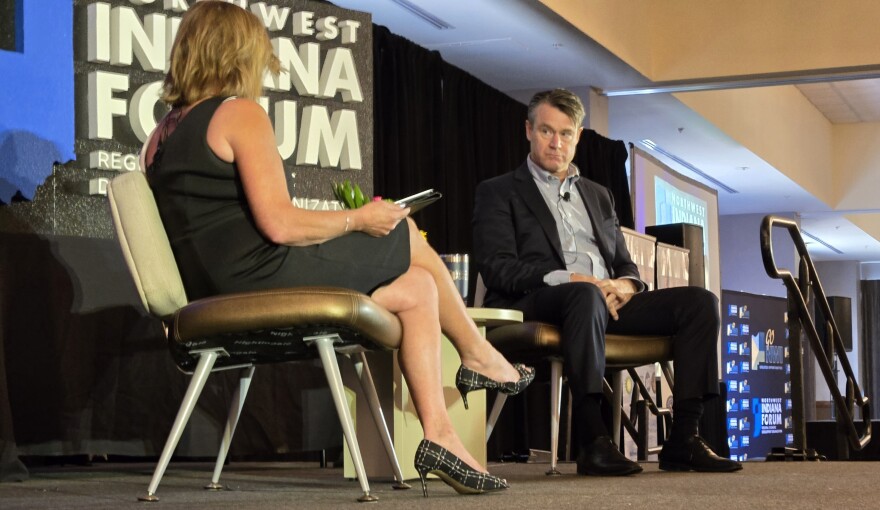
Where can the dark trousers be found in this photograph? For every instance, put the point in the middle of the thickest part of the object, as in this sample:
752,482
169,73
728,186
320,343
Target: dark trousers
689,314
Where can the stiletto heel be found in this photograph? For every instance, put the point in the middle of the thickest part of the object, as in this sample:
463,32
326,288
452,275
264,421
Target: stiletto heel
436,460
466,380
422,475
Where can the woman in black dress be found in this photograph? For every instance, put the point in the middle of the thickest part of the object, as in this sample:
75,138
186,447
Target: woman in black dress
222,195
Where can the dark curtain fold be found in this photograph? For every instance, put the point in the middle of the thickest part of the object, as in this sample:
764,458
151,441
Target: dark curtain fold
407,100
437,126
604,160
870,340
483,136
406,121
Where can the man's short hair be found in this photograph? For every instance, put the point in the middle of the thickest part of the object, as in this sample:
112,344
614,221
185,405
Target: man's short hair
563,100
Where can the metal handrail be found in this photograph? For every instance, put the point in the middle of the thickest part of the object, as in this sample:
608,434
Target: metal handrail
798,295
660,412
640,390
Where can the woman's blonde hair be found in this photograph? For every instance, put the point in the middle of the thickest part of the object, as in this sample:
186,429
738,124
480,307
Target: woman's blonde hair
220,50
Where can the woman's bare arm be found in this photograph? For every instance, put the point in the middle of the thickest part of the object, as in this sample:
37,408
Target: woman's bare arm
242,132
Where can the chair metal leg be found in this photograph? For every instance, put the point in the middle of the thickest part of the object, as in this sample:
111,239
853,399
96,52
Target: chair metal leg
666,367
324,345
568,427
624,419
555,412
616,404
235,407
500,399
652,404
366,378
196,385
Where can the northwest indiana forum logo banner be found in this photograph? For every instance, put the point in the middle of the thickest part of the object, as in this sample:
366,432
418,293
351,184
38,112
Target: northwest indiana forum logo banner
756,373
321,104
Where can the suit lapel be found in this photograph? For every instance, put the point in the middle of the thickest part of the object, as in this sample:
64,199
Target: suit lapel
528,191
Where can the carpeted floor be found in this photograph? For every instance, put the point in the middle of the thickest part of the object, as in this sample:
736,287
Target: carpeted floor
776,485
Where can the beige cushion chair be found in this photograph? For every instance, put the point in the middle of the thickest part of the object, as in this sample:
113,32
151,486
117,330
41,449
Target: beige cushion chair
533,341
243,330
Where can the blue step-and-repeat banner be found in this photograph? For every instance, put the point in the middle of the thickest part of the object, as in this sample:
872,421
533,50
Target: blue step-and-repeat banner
756,371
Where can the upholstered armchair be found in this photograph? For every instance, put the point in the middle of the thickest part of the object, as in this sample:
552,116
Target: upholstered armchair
244,330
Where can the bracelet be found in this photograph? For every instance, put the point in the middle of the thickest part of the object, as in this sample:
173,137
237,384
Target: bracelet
347,223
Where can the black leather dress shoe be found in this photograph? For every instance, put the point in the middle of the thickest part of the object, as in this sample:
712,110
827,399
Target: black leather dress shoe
694,455
602,458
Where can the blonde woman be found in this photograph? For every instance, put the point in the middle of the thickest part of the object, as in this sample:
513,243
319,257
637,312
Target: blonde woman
221,190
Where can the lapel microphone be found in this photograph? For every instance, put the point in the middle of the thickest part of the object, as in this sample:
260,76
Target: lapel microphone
566,185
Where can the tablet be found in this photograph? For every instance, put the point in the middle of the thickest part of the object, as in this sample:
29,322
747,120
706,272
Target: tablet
419,200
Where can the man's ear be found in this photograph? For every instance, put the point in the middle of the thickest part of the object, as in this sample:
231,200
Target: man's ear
528,130
578,137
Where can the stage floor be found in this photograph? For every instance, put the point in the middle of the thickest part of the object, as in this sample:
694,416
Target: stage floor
301,485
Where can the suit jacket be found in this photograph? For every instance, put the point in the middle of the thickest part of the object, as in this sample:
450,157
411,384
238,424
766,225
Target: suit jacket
515,238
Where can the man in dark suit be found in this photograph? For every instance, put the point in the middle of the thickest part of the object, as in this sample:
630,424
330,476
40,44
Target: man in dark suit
547,242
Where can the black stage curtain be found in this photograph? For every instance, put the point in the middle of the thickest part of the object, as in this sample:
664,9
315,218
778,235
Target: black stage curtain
870,340
484,136
438,127
406,121
604,160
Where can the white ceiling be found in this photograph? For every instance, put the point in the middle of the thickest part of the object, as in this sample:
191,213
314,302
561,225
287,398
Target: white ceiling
520,46
846,101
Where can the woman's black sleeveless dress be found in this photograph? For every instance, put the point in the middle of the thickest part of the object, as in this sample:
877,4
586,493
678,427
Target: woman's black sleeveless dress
216,242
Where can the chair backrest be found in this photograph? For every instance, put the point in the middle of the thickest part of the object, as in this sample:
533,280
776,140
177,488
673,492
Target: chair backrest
145,244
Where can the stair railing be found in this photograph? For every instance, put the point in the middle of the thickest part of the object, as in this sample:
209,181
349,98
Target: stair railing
800,292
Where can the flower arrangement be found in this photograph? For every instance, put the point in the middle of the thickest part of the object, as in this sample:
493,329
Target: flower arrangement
351,197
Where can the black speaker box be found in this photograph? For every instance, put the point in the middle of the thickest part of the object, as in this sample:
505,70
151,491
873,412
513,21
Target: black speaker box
688,236
841,310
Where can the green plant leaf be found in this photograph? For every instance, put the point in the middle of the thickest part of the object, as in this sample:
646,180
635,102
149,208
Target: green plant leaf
359,199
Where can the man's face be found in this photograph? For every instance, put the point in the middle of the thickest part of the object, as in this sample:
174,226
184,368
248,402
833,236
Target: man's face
553,139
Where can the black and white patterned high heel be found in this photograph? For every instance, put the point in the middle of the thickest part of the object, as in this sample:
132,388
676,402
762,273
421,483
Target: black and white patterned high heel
466,380
432,458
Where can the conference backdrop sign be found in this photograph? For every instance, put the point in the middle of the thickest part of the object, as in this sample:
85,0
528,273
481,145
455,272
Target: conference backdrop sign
321,104
756,370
